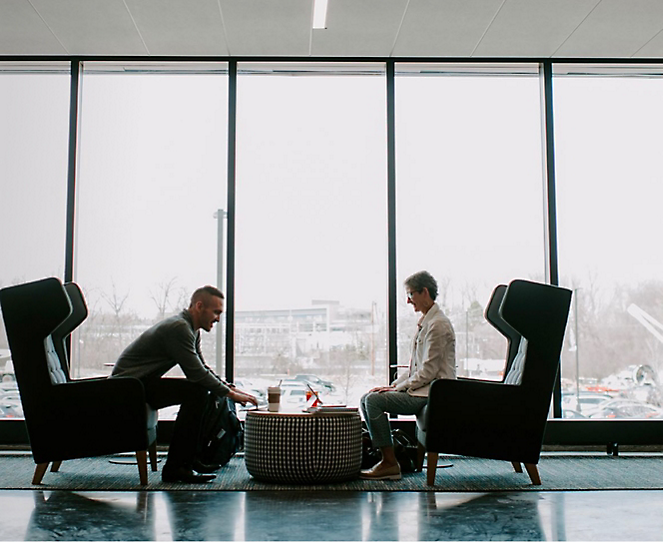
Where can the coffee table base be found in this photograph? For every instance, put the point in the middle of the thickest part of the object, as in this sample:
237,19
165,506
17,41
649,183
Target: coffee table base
302,449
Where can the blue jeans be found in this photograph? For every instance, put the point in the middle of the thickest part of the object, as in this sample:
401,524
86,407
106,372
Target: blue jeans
375,407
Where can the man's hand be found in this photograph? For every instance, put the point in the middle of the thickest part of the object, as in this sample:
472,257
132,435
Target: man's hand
381,389
241,397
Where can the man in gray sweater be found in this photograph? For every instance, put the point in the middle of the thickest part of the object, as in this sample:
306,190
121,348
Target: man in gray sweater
176,341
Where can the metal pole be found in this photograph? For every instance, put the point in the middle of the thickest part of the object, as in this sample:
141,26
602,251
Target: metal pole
220,216
69,262
392,312
552,267
74,96
577,354
230,286
467,341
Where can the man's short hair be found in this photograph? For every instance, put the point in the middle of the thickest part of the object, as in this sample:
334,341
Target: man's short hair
203,294
421,280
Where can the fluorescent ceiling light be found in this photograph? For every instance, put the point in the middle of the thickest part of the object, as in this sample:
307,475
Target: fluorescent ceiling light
320,13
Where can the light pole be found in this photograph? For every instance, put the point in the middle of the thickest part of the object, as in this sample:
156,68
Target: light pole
220,215
577,354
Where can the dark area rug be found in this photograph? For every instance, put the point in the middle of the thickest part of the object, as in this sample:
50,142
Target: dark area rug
558,472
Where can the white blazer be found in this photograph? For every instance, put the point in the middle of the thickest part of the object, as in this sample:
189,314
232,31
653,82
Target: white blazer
433,354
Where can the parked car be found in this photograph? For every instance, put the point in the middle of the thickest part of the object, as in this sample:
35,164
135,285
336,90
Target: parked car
10,404
293,396
570,414
623,408
6,367
316,382
585,402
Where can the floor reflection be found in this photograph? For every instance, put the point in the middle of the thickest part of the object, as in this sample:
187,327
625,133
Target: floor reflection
64,515
265,515
330,515
340,515
512,516
203,515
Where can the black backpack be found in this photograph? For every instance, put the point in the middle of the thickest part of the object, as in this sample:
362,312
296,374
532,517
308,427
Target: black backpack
222,434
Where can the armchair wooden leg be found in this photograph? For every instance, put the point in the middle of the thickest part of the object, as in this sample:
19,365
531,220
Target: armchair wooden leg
533,473
421,453
40,470
431,468
141,459
152,451
55,467
517,466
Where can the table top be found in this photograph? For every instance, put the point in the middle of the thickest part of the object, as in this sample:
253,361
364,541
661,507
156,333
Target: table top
300,414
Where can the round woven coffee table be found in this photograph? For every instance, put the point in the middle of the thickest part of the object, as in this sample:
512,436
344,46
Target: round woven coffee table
301,448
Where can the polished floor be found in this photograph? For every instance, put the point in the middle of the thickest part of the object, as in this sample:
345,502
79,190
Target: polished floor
334,515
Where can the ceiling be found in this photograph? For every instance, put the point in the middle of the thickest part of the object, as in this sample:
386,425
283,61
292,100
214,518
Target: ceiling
355,28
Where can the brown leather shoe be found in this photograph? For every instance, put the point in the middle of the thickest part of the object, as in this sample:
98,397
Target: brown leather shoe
382,472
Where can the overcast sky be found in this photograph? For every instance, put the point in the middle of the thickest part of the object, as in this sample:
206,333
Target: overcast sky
311,192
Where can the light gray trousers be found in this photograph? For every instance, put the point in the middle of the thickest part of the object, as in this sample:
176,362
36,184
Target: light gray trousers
375,407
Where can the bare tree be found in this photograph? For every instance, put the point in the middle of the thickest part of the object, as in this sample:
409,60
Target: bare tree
161,295
115,300
443,290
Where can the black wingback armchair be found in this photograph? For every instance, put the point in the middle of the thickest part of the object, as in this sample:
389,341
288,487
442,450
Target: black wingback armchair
65,418
504,420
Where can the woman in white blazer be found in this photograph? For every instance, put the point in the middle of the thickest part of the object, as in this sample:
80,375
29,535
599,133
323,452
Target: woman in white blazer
433,356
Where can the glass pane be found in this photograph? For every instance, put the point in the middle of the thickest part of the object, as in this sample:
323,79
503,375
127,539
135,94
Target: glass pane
608,143
311,230
469,196
151,183
34,108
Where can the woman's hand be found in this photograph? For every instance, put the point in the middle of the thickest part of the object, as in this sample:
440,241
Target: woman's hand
382,389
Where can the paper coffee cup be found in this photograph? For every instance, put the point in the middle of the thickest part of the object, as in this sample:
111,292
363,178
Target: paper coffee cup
273,398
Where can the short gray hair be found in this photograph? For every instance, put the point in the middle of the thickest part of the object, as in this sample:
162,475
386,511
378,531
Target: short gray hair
421,280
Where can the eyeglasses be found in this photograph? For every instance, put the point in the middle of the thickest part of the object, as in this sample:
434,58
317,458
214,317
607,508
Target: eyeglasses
409,295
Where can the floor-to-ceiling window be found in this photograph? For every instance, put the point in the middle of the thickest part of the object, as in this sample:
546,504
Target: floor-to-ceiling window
610,188
310,214
469,201
151,183
34,114
311,244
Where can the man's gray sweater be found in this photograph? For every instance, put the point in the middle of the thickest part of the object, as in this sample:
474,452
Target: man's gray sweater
170,342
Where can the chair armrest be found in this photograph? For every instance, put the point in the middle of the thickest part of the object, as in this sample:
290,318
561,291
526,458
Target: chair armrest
91,417
122,396
475,398
470,379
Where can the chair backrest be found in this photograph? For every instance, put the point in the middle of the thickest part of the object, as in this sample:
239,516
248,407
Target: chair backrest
61,333
31,312
539,312
493,316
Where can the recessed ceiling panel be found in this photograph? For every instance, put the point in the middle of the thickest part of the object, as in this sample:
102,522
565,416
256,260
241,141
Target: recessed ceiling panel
22,32
444,28
615,29
92,27
174,27
533,27
268,27
366,28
